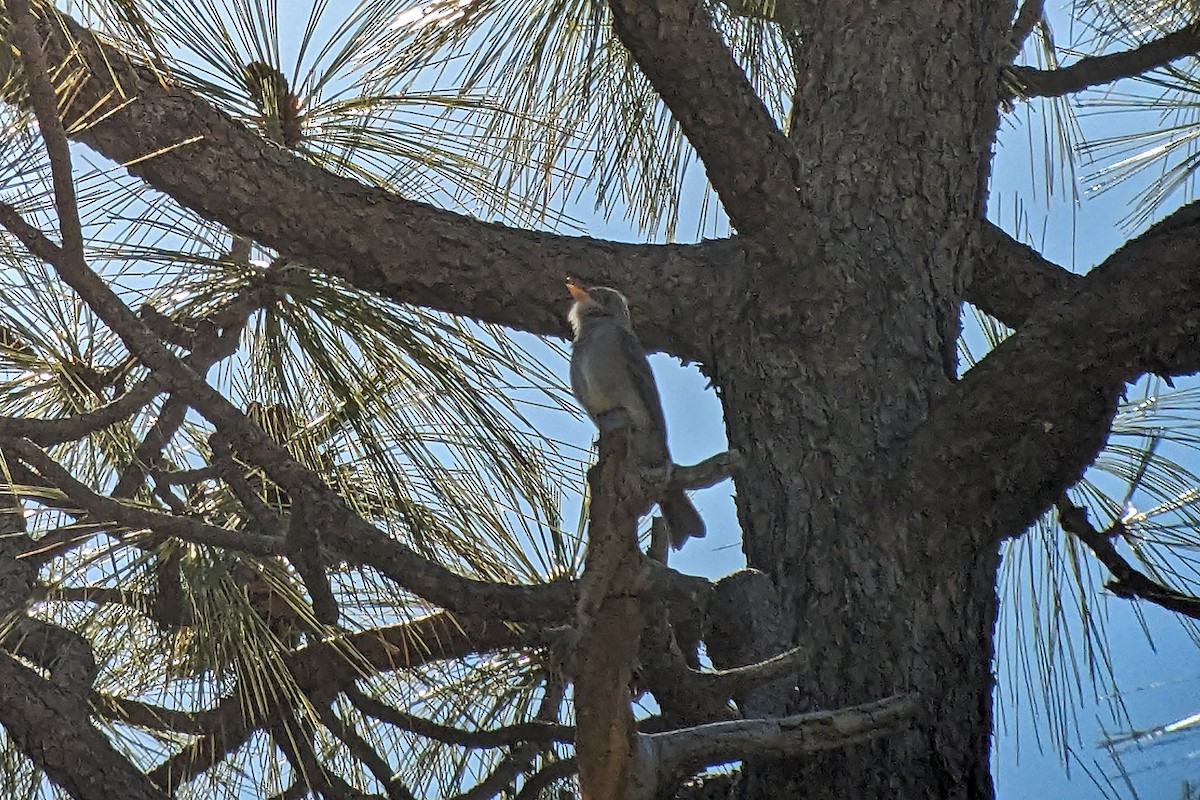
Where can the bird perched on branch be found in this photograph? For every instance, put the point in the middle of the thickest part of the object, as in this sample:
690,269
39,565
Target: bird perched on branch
609,371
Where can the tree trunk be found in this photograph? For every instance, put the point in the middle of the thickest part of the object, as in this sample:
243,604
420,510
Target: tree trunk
894,115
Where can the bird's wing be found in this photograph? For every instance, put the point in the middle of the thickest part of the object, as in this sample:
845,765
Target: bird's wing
643,380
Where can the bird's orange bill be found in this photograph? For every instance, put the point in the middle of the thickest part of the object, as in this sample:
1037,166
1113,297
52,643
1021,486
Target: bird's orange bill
576,289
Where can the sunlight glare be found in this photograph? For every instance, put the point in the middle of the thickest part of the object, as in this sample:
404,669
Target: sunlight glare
433,13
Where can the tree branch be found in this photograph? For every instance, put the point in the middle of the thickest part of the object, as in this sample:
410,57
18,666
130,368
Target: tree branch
1095,70
405,250
547,775
708,472
319,670
503,776
158,718
51,726
348,532
338,662
609,620
368,755
44,101
134,517
729,682
1129,583
1011,279
750,162
65,429
65,654
17,574
506,736
101,595
1025,422
681,693
665,758
201,754
1028,17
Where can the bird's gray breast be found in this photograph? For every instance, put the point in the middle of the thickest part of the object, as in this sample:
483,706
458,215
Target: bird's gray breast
599,374
609,370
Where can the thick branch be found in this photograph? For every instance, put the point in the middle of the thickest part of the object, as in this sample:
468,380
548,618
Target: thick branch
610,621
729,682
65,429
750,162
158,718
347,532
1096,70
1011,279
1028,17
17,574
303,546
203,753
708,472
65,654
362,543
51,726
681,693
1024,423
402,249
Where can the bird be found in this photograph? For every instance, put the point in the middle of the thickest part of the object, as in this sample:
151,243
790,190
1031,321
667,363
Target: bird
609,371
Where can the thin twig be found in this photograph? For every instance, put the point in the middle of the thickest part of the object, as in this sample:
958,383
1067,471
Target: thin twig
43,99
506,736
1129,583
133,517
364,752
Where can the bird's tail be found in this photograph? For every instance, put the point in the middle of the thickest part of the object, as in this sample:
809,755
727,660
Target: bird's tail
682,517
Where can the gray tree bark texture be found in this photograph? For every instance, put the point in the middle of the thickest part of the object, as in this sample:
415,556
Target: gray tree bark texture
876,488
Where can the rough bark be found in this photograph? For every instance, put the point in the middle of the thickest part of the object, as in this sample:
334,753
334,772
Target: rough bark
821,381
610,622
1136,313
51,725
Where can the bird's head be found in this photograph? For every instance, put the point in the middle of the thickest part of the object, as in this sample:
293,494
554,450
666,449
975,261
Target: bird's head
596,304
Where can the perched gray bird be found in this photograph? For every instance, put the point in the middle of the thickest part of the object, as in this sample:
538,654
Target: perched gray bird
609,371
